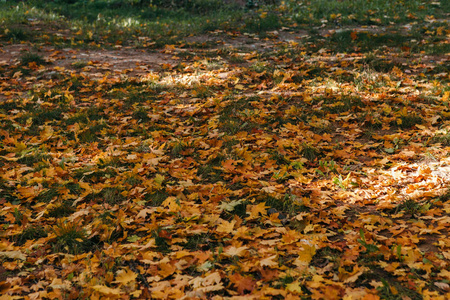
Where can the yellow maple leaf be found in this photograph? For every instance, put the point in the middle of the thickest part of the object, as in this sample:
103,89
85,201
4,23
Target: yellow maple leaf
46,133
233,251
125,276
13,255
306,254
258,210
27,192
103,289
269,262
294,287
226,227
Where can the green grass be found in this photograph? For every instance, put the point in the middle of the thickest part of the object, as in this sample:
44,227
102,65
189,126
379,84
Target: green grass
70,238
16,34
347,12
29,233
156,198
30,57
165,22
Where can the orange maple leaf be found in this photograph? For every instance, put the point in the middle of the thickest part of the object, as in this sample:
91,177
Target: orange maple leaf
242,283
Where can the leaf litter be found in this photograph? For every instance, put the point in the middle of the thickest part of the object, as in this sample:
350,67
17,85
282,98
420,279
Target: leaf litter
223,172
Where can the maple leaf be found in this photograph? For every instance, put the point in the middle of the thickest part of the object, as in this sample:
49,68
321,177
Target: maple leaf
242,283
233,251
269,262
225,226
124,276
105,290
13,255
258,210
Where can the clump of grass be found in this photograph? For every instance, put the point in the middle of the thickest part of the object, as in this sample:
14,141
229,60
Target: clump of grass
79,64
112,195
17,34
62,210
197,241
342,104
378,64
177,147
231,118
86,116
70,237
48,195
412,207
260,23
161,237
91,134
34,157
309,152
30,57
133,180
156,198
30,233
285,205
7,192
211,170
408,121
201,91
141,115
443,139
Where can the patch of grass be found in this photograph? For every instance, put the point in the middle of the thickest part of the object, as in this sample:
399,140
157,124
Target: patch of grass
92,133
160,236
408,121
198,242
48,195
156,198
286,205
393,290
309,152
177,147
133,180
30,57
231,118
79,64
412,207
34,157
346,40
86,116
443,139
342,104
262,22
136,97
211,170
279,158
17,34
141,115
379,64
61,210
73,187
201,91
112,195
7,192
91,174
30,233
348,12
70,238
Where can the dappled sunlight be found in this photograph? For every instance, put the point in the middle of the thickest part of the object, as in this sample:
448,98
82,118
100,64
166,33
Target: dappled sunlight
270,165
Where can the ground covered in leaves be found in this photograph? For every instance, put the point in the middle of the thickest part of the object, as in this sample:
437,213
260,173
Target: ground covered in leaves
270,169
